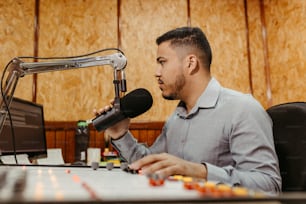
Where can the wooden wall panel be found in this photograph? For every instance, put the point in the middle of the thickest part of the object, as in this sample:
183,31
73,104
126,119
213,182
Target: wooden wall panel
151,136
99,140
224,24
62,135
16,38
50,137
141,23
92,141
69,149
70,28
60,141
74,27
286,30
257,52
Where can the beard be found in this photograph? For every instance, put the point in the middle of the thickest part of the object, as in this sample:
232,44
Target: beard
176,88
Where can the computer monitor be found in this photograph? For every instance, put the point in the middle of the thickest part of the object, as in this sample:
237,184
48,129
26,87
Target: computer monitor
29,130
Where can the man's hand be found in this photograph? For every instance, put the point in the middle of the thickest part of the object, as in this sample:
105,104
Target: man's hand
119,129
166,165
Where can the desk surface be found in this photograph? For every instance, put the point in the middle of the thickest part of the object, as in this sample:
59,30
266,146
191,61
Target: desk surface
50,184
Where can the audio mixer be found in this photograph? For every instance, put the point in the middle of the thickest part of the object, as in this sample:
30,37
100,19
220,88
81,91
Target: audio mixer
55,184
68,184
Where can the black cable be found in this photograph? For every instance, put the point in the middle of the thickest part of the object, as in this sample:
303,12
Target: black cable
8,112
70,57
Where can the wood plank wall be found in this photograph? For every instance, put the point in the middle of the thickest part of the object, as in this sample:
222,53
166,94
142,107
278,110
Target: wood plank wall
258,47
62,135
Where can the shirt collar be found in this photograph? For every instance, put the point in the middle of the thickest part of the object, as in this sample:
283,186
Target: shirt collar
208,99
210,96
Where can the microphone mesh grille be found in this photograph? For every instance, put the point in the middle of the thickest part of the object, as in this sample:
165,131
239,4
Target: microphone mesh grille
136,102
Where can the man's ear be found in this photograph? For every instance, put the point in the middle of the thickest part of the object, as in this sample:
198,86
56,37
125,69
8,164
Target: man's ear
192,63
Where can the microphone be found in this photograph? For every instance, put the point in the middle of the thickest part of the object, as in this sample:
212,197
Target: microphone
133,104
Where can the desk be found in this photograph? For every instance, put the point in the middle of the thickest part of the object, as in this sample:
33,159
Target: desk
67,184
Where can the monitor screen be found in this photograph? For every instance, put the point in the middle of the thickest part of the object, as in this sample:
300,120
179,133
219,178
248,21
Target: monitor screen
29,130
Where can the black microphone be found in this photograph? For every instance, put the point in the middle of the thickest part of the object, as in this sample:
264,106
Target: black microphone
133,104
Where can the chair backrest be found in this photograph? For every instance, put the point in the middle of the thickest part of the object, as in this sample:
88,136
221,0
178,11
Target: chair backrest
289,131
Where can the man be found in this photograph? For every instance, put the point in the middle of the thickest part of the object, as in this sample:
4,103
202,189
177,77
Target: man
215,133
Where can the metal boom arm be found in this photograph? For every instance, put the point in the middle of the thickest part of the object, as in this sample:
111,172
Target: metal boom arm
18,69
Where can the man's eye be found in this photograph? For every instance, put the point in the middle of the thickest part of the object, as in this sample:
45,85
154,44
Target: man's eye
161,62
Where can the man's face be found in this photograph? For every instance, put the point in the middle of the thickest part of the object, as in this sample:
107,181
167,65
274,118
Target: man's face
169,72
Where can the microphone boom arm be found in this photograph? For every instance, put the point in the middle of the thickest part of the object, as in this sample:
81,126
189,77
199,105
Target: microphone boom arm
18,69
117,61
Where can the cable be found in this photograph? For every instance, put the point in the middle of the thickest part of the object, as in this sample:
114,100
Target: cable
8,112
70,57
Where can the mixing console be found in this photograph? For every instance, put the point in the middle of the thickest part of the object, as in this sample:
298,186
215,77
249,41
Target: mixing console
43,183
68,184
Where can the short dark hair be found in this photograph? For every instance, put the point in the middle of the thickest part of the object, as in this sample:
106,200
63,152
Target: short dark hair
189,36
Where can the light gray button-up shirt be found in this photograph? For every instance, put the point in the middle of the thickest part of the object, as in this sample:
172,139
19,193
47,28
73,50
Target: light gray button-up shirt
227,130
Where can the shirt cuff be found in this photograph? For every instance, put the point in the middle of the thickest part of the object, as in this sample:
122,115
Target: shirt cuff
124,143
215,173
223,175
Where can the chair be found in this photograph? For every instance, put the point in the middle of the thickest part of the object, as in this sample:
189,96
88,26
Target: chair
289,132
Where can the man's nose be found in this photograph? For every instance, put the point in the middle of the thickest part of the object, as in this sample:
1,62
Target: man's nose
158,71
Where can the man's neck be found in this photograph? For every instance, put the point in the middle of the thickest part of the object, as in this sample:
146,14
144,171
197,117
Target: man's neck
195,90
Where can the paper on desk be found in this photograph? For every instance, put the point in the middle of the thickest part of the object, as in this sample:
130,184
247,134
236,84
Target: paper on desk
93,155
54,157
10,159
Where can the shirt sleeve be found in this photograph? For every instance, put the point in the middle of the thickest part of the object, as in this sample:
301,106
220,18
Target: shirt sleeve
130,150
252,149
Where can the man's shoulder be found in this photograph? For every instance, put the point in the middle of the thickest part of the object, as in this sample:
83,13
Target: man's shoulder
237,99
231,94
